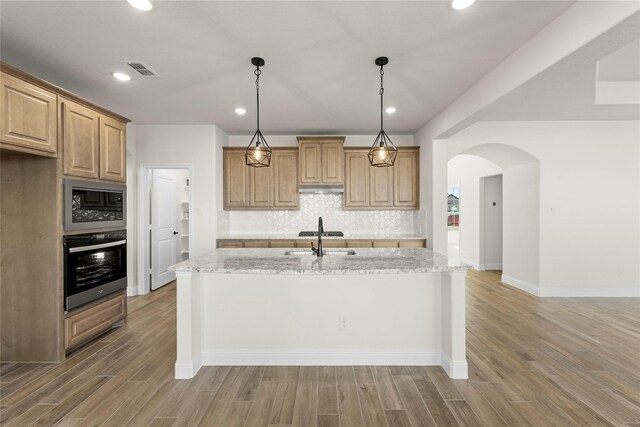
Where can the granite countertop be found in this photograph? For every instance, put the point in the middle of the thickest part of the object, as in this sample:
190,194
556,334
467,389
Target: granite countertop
347,236
366,261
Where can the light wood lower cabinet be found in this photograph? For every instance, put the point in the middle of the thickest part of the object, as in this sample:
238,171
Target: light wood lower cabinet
390,188
326,243
88,323
267,188
29,119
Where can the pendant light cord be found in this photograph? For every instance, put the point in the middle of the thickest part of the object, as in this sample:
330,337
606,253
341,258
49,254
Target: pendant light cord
381,97
257,72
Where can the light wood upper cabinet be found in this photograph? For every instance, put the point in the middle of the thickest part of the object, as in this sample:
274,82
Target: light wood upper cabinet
310,163
29,117
357,177
81,140
332,166
236,180
389,188
266,188
285,175
380,186
321,160
261,186
113,150
406,179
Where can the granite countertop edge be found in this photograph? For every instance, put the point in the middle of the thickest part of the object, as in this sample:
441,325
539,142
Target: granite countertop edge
365,261
284,236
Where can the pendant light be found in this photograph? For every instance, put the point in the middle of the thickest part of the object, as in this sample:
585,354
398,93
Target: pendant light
258,154
382,153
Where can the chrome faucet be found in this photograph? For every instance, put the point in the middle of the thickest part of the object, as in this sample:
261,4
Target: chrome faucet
319,251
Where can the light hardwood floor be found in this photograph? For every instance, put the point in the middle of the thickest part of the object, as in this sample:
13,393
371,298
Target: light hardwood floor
532,362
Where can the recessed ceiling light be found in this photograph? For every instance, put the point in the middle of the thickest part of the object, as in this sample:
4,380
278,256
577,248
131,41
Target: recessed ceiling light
141,4
240,111
461,4
390,110
122,77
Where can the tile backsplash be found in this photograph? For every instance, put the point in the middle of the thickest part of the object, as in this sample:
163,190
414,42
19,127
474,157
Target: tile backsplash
329,207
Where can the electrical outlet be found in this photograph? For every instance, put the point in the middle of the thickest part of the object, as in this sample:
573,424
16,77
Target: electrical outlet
343,324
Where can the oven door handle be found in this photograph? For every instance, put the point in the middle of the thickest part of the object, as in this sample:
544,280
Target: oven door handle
100,246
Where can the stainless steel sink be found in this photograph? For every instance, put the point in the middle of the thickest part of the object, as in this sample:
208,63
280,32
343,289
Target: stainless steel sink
325,252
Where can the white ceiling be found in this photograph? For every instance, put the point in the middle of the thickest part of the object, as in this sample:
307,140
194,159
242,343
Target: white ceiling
567,90
319,75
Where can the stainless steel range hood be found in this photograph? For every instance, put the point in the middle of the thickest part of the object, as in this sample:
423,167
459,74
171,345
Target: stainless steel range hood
321,188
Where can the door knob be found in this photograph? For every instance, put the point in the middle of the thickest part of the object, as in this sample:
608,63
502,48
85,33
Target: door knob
175,232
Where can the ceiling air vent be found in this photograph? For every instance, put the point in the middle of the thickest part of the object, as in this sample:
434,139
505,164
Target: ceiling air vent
141,68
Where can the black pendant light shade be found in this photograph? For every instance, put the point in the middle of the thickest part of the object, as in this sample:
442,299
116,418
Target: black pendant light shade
383,152
258,153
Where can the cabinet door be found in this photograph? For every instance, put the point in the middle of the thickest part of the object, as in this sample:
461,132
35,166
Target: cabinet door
113,150
80,140
261,187
29,116
380,186
310,158
285,179
356,186
332,155
236,180
406,178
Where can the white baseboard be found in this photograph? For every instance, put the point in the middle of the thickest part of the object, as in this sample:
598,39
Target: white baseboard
458,369
292,356
521,284
132,292
494,266
473,265
187,369
601,292
572,292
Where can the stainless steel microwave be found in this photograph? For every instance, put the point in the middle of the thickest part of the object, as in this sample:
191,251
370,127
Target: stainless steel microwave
94,205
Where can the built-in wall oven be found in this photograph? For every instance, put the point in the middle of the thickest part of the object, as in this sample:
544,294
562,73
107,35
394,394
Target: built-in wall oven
95,265
90,205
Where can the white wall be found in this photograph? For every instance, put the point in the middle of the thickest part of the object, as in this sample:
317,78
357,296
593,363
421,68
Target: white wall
177,145
132,211
588,209
466,172
491,218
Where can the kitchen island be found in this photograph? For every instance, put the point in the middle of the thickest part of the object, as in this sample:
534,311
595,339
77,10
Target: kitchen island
267,307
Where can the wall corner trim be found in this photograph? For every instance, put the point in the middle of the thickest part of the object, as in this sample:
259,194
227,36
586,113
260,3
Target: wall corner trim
521,284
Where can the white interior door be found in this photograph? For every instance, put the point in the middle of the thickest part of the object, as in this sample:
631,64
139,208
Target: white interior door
163,227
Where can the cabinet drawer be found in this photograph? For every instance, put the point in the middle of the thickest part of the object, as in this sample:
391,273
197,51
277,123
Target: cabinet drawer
412,244
359,244
93,321
385,243
256,243
282,244
226,244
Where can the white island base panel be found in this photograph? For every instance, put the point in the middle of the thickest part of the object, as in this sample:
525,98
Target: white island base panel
414,319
